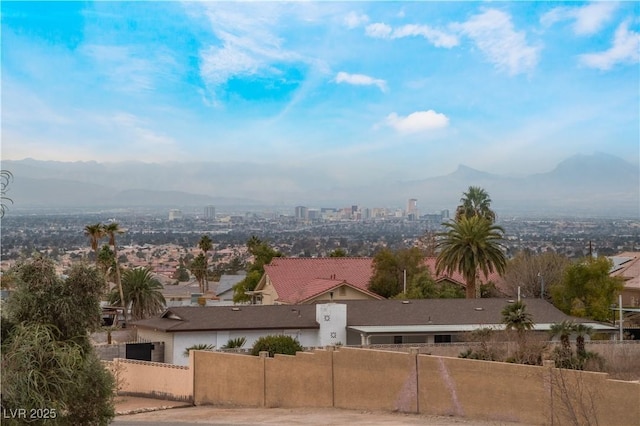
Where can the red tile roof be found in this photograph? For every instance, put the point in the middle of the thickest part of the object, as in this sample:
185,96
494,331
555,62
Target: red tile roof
299,279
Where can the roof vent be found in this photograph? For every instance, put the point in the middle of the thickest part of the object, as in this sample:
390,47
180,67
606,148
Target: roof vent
405,302
479,309
235,309
511,301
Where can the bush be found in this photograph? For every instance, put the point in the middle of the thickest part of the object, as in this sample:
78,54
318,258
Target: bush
277,345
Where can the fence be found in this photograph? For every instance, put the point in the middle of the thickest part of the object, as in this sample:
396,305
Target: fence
365,379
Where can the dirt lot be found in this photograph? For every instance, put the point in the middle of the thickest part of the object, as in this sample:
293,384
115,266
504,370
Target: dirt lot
282,416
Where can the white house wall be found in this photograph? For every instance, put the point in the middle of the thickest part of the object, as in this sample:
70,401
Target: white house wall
181,341
184,340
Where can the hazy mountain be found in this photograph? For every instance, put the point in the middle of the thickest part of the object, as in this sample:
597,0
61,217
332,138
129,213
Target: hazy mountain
598,184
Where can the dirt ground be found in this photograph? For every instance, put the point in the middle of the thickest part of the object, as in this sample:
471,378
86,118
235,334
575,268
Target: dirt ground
211,415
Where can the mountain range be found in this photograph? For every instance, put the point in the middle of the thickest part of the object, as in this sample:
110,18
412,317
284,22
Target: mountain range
583,185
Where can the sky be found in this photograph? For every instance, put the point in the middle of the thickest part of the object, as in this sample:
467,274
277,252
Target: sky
401,90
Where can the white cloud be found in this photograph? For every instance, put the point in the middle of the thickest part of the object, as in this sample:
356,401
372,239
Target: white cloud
588,19
625,49
353,20
248,44
418,121
378,30
495,36
436,37
360,80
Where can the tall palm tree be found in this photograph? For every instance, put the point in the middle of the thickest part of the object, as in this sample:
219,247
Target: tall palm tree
111,230
141,293
95,232
205,245
470,245
475,202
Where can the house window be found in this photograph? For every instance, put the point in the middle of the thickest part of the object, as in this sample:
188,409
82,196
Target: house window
397,340
442,338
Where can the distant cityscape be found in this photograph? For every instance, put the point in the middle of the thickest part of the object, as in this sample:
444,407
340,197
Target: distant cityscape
158,238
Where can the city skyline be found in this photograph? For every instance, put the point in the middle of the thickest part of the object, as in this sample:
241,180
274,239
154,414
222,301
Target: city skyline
401,90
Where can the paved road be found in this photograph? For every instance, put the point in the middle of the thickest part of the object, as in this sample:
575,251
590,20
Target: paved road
200,415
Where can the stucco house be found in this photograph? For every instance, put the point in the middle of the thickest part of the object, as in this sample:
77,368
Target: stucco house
349,322
310,280
627,266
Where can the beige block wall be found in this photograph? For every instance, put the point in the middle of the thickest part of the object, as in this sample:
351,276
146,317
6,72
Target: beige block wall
154,379
375,380
228,379
482,389
304,380
394,381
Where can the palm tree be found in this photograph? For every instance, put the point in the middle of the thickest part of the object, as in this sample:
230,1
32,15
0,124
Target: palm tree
515,317
95,232
475,202
471,245
111,230
581,331
141,292
563,356
198,269
205,245
564,330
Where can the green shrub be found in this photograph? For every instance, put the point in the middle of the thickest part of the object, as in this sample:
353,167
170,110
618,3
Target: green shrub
277,345
235,343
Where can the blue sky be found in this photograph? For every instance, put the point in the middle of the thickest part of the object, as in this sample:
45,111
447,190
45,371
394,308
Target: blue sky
402,90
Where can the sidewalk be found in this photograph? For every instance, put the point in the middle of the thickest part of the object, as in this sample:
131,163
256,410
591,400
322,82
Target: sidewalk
126,405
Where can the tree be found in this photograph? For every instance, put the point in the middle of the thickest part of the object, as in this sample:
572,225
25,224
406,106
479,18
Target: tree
423,286
587,290
95,232
339,252
475,202
198,269
262,254
205,245
47,358
470,245
141,293
563,355
515,317
279,344
389,268
581,331
531,272
111,230
5,178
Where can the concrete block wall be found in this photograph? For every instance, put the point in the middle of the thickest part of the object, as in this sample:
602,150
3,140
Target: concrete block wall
153,379
409,382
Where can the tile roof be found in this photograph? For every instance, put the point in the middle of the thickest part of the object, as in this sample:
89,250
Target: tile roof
627,266
298,279
449,312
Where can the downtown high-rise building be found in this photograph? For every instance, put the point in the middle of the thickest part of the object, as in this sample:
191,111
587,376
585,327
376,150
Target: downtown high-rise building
209,212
